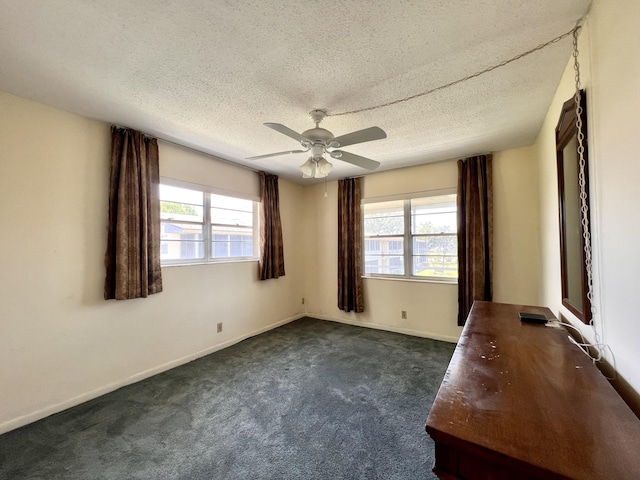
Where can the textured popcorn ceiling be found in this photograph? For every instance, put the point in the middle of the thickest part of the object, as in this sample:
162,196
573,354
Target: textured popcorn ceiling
207,74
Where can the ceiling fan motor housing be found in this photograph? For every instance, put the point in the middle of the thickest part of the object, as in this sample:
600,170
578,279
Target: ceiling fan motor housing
319,136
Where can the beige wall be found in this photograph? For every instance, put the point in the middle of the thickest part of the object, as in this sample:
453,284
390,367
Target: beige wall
610,68
60,342
516,241
431,307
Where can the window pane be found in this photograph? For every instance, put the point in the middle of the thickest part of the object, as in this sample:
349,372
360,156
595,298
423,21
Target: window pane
228,242
384,226
445,266
384,255
180,231
384,246
231,233
384,218
220,246
230,249
181,195
184,223
180,204
180,241
384,264
435,256
191,250
431,243
435,245
438,203
434,214
220,216
434,223
240,249
231,211
180,211
372,246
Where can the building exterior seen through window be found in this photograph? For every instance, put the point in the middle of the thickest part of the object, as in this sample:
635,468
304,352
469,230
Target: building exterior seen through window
412,238
200,227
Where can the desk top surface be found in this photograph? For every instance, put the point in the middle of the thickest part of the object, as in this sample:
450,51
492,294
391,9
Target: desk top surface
524,392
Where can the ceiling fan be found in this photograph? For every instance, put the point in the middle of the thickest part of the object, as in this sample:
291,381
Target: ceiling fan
320,141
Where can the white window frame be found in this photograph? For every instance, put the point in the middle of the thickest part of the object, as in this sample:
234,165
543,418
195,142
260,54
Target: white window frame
206,192
407,237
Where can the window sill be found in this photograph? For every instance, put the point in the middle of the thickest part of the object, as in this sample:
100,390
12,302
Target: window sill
411,279
211,262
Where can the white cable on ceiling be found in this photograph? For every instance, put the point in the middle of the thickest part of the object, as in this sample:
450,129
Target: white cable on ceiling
464,79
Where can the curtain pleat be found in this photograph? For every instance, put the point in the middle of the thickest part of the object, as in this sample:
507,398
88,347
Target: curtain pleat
132,259
475,232
350,285
271,247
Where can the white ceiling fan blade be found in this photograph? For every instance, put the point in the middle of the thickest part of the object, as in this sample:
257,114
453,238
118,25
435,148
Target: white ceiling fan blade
354,159
288,132
276,154
366,135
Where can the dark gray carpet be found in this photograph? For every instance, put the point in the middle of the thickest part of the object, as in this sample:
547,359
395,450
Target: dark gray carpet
309,400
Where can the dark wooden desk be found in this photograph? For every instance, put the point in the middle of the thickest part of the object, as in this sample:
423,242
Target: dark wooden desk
519,401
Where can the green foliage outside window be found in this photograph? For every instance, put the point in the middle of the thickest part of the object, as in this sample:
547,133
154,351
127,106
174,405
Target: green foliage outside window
179,208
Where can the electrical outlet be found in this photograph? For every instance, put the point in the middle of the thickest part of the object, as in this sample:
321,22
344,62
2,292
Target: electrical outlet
404,314
219,327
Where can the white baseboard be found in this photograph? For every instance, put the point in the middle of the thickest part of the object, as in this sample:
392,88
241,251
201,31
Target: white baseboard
79,399
84,397
389,328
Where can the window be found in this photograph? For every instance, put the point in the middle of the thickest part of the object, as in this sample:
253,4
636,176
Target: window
412,238
200,227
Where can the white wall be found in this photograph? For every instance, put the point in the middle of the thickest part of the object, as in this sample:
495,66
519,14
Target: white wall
431,307
60,342
610,68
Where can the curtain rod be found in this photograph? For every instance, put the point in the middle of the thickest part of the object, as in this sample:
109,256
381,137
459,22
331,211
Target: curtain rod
193,149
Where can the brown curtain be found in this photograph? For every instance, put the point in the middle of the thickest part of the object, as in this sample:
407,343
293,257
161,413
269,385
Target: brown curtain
350,288
475,232
133,242
271,249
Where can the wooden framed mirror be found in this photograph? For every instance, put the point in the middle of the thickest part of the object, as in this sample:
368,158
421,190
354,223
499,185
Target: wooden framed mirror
572,255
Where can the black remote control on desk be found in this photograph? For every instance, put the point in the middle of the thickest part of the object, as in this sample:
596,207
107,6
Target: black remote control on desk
532,317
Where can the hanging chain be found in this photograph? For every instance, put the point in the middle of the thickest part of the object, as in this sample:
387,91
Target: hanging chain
582,177
464,79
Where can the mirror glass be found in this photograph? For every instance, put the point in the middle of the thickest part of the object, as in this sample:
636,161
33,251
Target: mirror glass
573,226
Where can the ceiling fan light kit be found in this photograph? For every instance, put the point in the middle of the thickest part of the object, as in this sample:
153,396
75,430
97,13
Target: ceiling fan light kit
321,141
316,168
